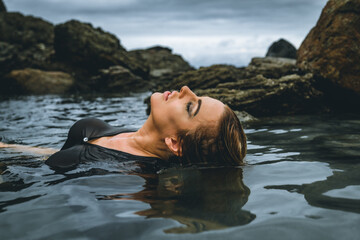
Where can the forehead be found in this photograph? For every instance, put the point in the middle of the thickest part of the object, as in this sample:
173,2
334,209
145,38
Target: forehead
211,109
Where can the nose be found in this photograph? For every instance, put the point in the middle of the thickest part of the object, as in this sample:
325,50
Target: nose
185,90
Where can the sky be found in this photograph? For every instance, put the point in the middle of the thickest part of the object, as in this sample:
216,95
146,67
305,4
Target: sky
203,32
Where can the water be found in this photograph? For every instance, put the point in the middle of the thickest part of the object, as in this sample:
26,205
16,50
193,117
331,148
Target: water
301,180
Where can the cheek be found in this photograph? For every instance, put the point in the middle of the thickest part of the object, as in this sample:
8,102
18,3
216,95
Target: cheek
179,118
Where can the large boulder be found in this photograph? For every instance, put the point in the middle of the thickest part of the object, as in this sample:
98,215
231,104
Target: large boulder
35,81
205,77
2,7
26,31
261,96
210,77
332,48
268,86
270,67
283,49
162,62
84,46
25,41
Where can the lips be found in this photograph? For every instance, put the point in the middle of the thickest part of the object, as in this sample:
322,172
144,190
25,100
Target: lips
166,95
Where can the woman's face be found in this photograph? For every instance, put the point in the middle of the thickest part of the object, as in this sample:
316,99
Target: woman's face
174,111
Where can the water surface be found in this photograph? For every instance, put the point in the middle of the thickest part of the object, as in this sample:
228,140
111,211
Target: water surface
301,180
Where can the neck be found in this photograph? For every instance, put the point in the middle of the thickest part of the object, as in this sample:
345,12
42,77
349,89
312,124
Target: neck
148,141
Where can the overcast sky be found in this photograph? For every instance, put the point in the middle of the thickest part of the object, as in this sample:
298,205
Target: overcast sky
204,32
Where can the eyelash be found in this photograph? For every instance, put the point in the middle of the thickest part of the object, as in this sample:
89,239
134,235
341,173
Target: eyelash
188,107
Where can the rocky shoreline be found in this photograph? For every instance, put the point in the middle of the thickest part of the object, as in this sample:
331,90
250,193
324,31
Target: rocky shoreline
37,57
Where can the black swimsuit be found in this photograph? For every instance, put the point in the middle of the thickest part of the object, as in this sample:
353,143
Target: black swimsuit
77,149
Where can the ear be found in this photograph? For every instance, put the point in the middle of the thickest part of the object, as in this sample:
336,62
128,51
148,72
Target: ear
174,145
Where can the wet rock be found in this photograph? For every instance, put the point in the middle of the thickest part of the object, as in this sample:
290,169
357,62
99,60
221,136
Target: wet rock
34,81
283,49
8,55
245,117
332,48
25,41
270,67
205,77
261,96
268,86
2,7
210,77
92,48
162,62
26,31
117,79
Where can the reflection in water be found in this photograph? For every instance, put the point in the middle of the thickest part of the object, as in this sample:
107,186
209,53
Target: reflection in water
201,199
315,193
335,141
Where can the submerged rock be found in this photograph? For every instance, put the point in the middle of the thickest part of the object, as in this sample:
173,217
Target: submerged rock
163,64
92,49
283,49
332,48
35,81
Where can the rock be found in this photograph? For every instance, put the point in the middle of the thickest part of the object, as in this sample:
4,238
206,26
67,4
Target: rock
332,48
26,31
262,96
25,41
162,62
8,56
117,79
92,49
283,49
210,77
2,7
245,117
267,87
270,67
205,77
15,57
34,81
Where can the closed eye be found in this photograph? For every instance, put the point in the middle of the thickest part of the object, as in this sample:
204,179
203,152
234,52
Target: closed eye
188,106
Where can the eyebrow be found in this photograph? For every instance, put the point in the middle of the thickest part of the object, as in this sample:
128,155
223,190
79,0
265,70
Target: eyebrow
198,109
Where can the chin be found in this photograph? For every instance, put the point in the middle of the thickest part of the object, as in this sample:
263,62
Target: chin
155,99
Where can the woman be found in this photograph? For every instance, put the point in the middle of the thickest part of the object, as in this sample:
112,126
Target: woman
181,127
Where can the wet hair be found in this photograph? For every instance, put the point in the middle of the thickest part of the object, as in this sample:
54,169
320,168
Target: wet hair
224,144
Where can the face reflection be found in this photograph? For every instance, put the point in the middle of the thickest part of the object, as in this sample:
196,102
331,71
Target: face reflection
183,110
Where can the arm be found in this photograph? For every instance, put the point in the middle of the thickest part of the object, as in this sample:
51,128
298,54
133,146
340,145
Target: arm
29,149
